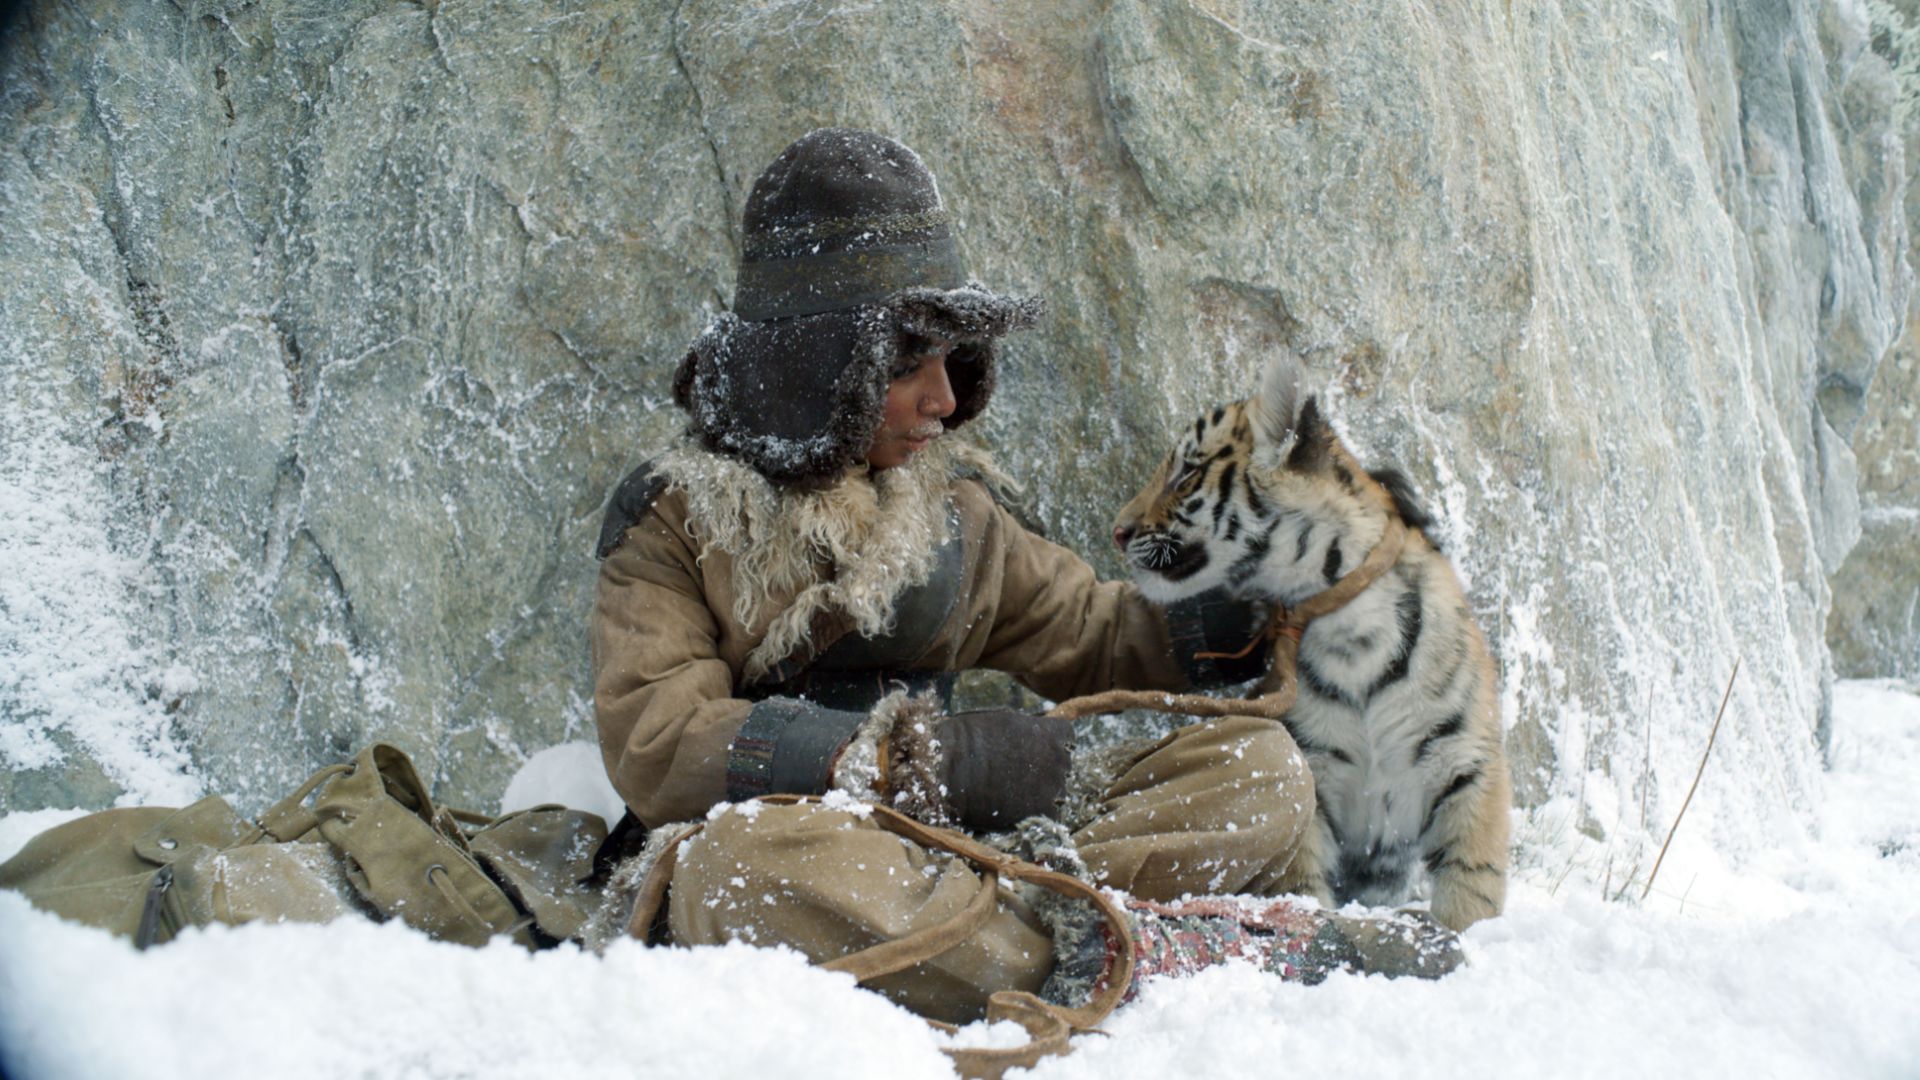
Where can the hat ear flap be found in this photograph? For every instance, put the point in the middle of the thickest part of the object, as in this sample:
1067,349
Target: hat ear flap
970,370
683,381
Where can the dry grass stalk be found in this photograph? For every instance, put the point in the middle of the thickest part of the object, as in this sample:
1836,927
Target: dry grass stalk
1628,883
1646,761
1697,773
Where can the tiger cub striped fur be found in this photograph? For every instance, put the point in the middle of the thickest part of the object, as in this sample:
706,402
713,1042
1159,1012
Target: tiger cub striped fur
1398,711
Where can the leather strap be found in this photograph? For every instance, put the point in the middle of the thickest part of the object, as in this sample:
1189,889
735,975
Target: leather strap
1048,1026
1378,561
1285,631
289,819
926,943
653,888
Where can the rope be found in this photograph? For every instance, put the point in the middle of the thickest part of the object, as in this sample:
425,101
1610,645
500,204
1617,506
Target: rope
1048,1026
1284,631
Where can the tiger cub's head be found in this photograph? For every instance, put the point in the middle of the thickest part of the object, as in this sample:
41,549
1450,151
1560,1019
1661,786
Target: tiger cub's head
1260,496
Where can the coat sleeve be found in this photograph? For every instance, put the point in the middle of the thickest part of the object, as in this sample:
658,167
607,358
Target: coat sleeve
1061,631
674,735
663,696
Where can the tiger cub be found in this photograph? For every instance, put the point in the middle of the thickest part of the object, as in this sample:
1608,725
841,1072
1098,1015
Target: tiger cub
1398,711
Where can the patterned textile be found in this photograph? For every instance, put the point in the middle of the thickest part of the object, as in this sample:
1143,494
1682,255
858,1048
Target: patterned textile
1184,937
1294,939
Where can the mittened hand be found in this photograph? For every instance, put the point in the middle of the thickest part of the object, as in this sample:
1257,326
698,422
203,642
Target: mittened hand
992,767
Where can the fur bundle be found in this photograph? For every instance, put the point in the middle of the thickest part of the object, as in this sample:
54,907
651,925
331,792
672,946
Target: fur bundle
853,545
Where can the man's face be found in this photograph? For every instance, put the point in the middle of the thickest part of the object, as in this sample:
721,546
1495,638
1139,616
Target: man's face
917,399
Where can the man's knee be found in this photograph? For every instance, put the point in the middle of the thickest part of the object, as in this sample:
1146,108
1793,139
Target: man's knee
754,857
1264,778
1236,772
830,883
1219,806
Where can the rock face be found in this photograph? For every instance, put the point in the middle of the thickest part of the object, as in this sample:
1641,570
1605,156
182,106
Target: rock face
342,319
1875,625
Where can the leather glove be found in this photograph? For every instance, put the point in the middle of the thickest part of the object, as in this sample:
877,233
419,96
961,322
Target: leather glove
984,770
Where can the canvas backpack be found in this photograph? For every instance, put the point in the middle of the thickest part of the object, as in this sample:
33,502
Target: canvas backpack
363,837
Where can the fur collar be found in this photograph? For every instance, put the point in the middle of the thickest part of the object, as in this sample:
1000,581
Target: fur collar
852,546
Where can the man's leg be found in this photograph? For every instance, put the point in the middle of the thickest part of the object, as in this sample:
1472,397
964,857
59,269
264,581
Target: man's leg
830,884
1216,807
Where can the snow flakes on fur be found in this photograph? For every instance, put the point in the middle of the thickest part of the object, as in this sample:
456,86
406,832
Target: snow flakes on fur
917,762
722,409
970,314
730,348
1093,774
857,772
608,923
905,777
851,546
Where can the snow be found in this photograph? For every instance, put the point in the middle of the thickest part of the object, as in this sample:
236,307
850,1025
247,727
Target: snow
357,999
1798,961
570,774
70,664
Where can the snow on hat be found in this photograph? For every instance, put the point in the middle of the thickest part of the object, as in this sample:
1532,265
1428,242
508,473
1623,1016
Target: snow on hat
847,250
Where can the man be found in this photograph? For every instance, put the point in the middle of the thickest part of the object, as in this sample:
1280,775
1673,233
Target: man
785,597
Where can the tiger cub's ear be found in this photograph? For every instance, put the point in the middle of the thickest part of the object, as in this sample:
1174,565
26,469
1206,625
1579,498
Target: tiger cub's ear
1289,427
1277,405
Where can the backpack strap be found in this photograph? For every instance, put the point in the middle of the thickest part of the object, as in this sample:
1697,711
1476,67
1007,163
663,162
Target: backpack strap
630,502
406,857
289,819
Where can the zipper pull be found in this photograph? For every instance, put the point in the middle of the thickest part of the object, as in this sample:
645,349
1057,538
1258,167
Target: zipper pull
150,911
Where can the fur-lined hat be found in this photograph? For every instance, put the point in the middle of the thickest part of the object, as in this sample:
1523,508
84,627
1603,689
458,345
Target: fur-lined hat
847,254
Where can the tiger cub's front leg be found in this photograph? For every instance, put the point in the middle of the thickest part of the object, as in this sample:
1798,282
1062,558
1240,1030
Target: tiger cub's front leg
1465,846
1306,874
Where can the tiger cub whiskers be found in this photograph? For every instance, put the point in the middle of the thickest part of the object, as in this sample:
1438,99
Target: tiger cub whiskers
1398,706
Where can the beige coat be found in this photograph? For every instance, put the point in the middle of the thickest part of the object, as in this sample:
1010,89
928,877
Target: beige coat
670,655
